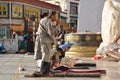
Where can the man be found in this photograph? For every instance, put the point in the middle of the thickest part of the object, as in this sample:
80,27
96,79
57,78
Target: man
49,28
58,53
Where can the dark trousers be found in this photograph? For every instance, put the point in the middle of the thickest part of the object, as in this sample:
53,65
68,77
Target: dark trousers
45,67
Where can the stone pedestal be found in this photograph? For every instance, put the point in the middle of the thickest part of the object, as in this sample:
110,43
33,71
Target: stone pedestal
85,44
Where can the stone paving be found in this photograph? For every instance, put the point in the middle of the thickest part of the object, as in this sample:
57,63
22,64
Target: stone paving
9,69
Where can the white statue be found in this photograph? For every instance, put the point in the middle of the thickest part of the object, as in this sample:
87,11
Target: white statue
110,26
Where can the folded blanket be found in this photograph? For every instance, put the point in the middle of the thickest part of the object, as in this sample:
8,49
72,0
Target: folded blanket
85,64
62,68
87,71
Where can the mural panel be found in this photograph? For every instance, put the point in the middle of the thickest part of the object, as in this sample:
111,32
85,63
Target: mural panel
4,10
32,11
17,11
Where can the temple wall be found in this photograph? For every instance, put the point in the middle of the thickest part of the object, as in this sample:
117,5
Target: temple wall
90,15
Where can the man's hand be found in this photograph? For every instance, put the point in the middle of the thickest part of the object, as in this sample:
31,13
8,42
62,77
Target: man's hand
59,23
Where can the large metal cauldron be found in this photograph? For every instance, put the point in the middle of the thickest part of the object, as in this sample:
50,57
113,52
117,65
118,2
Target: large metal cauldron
85,44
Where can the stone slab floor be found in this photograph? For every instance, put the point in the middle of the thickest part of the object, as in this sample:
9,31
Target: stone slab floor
9,68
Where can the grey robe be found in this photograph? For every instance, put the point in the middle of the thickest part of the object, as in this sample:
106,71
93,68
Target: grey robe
37,48
47,37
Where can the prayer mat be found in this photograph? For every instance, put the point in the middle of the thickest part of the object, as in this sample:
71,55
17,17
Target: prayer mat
64,74
70,73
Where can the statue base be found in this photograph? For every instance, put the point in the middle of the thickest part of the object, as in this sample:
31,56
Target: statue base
85,44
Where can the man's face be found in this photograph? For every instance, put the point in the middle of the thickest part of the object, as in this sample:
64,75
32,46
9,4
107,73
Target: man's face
54,17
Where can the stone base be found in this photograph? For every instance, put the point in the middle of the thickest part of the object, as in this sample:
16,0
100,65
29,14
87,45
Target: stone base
83,48
85,44
80,54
